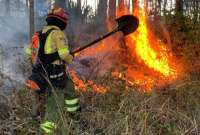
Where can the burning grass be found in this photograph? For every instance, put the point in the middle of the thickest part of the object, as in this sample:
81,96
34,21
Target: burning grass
149,52
144,60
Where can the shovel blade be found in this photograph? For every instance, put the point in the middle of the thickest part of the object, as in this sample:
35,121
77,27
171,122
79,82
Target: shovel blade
127,24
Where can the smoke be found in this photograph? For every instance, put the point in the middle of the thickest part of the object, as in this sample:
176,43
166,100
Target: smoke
13,38
82,29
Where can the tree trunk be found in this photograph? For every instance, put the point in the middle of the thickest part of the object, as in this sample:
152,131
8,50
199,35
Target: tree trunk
179,6
27,3
31,18
7,5
112,9
79,7
102,14
121,2
18,4
26,8
164,7
195,11
111,15
129,4
160,6
79,12
102,9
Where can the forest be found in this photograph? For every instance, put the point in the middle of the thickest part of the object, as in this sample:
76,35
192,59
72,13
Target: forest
143,83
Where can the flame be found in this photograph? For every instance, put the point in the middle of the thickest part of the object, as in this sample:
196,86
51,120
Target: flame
154,66
156,60
148,50
98,51
80,85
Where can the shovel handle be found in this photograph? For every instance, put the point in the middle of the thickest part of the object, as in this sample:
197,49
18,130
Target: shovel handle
93,42
127,24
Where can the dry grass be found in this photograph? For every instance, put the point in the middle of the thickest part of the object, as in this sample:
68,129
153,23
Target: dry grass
170,112
173,111
15,116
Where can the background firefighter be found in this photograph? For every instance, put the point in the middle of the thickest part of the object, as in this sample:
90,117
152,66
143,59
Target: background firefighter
49,53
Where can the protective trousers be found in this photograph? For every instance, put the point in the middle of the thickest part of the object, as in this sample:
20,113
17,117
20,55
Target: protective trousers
59,91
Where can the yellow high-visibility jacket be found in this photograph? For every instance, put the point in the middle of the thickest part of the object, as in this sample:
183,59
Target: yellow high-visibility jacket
55,42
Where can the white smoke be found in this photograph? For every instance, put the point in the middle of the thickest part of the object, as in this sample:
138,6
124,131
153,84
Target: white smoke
13,39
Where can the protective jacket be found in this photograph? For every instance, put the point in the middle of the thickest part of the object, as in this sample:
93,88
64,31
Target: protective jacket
56,42
49,54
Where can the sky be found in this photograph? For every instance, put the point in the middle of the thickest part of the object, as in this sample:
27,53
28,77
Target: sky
90,2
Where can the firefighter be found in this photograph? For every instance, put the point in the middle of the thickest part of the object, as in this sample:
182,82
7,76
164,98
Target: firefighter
49,54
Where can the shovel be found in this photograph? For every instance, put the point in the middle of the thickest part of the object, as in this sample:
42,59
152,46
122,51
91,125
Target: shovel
127,24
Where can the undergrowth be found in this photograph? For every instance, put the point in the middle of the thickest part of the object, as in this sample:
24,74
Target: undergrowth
172,111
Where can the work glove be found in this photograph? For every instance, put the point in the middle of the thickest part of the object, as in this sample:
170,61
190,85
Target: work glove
67,58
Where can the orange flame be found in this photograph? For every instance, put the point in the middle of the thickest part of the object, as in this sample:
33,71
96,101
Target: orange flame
148,50
154,58
99,51
80,85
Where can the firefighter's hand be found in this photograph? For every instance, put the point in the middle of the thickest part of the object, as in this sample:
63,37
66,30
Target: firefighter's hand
69,59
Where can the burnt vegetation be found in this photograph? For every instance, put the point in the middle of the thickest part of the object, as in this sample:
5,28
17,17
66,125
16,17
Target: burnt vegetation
124,110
